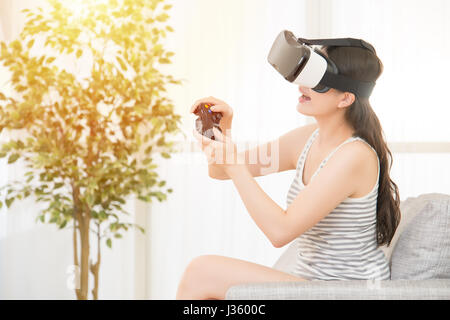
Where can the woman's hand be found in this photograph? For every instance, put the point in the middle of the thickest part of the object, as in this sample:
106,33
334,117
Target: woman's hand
218,106
222,151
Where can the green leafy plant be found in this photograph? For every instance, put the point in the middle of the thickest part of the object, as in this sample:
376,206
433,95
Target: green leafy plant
86,114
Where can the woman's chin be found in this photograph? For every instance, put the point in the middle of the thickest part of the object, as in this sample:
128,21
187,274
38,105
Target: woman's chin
303,108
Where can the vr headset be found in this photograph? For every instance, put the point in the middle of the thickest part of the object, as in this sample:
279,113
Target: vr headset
299,63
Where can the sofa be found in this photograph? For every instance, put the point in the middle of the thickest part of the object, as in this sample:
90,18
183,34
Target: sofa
419,259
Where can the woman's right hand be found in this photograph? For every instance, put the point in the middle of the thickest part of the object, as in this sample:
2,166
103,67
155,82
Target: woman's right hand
218,106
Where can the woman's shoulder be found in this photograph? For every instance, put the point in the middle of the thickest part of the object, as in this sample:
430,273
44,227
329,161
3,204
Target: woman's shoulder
365,150
360,149
366,160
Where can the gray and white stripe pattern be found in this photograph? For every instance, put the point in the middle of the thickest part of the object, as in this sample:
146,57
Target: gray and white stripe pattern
342,246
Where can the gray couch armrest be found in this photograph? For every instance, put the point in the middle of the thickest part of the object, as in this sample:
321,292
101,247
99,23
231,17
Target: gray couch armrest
343,290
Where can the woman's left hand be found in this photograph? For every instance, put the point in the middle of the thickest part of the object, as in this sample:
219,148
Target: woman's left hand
221,151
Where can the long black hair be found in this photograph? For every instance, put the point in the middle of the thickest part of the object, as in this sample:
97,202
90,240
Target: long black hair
361,64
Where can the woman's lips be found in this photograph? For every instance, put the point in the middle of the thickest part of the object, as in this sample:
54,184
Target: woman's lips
304,99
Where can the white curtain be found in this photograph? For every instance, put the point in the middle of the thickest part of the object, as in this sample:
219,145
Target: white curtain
221,50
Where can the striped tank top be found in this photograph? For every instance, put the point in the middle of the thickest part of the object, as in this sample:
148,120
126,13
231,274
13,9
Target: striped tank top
341,246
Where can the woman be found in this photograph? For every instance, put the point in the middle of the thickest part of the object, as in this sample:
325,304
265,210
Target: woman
341,206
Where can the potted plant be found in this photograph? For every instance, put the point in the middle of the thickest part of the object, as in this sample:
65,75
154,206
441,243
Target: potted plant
86,113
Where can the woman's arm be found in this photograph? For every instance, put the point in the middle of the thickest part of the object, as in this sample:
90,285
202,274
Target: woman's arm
275,156
271,157
266,213
334,183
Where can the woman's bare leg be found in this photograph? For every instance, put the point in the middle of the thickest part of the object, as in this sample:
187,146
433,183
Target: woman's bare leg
210,276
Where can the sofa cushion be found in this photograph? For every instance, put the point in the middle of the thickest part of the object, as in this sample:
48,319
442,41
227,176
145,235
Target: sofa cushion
409,208
422,250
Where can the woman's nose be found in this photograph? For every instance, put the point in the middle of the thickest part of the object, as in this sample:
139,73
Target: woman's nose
303,89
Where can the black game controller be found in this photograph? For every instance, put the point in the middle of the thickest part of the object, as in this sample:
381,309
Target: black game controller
207,120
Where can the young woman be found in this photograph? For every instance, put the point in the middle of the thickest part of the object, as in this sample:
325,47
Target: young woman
341,206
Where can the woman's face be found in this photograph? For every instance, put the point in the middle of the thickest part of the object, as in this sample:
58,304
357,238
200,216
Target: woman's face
312,103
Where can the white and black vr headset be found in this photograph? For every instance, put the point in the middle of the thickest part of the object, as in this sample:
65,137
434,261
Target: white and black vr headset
299,63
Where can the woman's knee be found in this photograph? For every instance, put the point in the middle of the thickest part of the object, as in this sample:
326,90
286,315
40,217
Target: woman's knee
197,268
194,276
